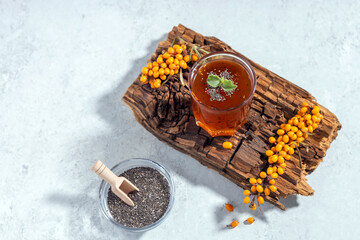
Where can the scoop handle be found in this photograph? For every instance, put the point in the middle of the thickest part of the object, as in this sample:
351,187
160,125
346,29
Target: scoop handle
104,172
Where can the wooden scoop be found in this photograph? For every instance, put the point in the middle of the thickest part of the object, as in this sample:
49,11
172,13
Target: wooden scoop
120,186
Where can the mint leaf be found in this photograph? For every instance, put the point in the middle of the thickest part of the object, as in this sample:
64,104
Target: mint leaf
228,85
213,81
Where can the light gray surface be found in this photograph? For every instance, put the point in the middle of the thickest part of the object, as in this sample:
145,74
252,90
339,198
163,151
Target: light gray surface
64,67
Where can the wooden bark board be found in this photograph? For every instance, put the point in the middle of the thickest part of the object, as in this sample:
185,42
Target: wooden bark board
166,113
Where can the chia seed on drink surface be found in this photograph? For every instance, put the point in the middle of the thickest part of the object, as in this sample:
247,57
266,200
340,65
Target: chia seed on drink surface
151,202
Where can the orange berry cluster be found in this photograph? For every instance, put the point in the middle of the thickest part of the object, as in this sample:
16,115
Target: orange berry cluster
289,137
166,64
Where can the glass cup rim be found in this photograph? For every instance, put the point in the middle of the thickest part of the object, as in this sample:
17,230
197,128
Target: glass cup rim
244,62
137,162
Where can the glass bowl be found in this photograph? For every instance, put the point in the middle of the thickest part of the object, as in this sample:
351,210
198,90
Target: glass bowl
122,167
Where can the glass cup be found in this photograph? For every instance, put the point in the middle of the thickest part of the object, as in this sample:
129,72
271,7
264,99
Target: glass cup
122,167
221,122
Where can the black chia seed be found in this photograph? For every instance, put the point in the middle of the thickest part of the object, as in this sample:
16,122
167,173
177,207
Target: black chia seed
151,202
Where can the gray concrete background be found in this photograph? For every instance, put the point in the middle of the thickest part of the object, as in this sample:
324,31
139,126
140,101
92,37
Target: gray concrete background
64,66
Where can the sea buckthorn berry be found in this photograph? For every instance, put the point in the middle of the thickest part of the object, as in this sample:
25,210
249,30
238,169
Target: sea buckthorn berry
263,174
172,66
161,71
315,110
293,137
234,224
315,126
160,60
176,70
290,121
150,73
176,46
246,192
282,153
285,138
282,126
154,64
278,147
309,122
279,139
273,149
274,169
155,68
246,200
295,122
172,72
260,199
252,180
292,145
274,158
187,58
299,133
307,117
149,65
280,132
145,70
179,56
291,151
281,160
310,129
274,175
315,119
306,135
304,104
259,188
166,55
227,145
294,129
253,207
184,65
176,61
143,78
259,181
272,181
304,129
272,140
167,71
163,65
229,207
156,74
287,127
303,109
250,220
157,84
290,134
283,165
286,148
162,77
171,50
170,60
280,171
269,170
194,57
301,125
253,188
269,153
267,192
179,50
287,157
300,139
273,188
183,46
